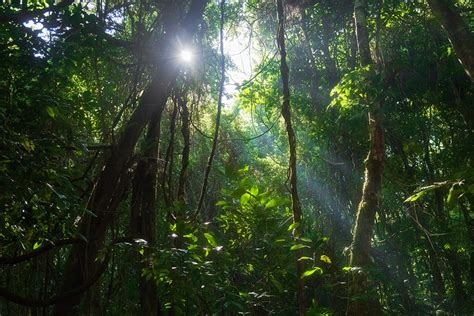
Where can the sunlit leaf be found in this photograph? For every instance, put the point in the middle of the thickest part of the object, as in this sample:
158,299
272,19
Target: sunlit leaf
210,239
244,199
271,203
312,271
221,203
276,201
254,190
298,246
28,145
305,258
325,258
293,226
191,236
415,197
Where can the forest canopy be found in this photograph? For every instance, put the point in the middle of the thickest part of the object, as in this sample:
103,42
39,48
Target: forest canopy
236,157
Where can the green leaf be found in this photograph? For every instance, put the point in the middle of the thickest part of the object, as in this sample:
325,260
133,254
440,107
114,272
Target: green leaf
51,111
37,245
293,226
304,258
277,201
254,190
271,203
221,203
243,170
298,246
28,145
191,236
325,258
210,239
244,199
312,271
244,183
450,198
250,267
415,197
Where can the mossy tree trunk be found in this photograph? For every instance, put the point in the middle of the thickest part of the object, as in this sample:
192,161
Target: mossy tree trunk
363,300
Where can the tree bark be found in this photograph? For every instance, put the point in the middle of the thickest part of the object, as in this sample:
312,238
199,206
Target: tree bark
144,208
167,176
183,175
363,301
458,32
286,113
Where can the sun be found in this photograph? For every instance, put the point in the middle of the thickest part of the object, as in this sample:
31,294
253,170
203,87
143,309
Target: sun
186,55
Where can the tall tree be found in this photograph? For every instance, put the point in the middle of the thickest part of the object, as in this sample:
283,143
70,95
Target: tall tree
82,261
362,301
286,113
143,217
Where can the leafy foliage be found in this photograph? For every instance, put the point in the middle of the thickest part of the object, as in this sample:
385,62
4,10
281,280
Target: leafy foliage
73,75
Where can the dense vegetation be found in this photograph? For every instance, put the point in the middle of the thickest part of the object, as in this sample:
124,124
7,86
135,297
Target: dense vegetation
139,176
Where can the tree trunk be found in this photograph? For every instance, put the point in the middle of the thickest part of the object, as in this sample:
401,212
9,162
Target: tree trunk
82,262
143,211
167,176
180,214
458,32
286,113
363,301
183,175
